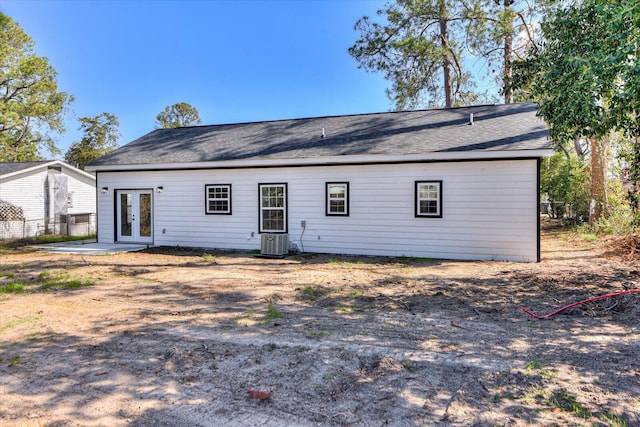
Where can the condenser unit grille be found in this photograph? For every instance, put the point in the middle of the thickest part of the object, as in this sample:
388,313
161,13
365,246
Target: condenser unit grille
274,244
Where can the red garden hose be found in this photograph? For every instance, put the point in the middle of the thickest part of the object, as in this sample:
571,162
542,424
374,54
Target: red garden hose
546,316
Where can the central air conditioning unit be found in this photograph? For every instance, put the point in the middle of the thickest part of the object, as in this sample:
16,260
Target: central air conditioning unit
274,244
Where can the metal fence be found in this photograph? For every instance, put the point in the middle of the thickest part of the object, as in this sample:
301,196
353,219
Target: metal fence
16,229
63,225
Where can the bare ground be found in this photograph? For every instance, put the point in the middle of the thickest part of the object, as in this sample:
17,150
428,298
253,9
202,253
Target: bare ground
172,337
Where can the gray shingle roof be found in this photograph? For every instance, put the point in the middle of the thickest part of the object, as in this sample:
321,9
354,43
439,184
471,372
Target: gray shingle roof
6,168
496,127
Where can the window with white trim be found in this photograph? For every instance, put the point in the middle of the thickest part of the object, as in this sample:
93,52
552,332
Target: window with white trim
218,199
337,198
273,208
428,199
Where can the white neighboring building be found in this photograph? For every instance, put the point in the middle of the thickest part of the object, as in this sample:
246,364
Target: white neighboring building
47,197
459,183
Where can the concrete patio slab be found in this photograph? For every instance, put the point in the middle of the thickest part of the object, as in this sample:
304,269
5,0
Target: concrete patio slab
90,247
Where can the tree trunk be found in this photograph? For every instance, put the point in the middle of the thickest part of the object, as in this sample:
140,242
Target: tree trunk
507,71
446,64
604,167
577,144
598,181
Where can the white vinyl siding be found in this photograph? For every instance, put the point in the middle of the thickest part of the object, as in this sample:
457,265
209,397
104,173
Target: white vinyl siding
28,192
490,209
83,190
31,191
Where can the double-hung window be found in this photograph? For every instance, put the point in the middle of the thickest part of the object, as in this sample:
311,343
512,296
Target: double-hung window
218,199
273,208
337,198
428,199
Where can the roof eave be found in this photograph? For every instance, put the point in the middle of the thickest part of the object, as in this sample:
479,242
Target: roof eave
47,165
330,160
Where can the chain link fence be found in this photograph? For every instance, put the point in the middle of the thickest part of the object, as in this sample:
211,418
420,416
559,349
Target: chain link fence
63,225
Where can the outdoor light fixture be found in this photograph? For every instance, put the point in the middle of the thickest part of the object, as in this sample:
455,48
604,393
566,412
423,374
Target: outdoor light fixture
105,190
160,190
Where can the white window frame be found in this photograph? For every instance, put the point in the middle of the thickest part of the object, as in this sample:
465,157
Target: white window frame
263,208
345,211
437,199
208,199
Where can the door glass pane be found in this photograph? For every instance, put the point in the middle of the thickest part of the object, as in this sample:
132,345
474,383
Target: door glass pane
145,215
125,214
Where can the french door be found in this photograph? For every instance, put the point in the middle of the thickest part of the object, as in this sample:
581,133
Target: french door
134,216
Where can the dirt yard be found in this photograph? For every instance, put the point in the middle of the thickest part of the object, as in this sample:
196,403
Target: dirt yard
182,338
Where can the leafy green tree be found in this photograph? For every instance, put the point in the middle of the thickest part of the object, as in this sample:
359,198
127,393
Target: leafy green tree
423,38
178,115
100,137
501,31
564,180
584,75
586,79
412,49
31,107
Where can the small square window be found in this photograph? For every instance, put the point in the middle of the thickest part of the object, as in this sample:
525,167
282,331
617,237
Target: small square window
337,199
217,199
428,199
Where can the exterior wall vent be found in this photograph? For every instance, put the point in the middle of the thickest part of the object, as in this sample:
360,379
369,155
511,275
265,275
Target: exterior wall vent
274,244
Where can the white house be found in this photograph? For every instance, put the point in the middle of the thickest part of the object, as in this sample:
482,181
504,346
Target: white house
458,183
46,197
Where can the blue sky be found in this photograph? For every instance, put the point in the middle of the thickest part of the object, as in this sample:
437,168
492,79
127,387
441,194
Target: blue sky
235,61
